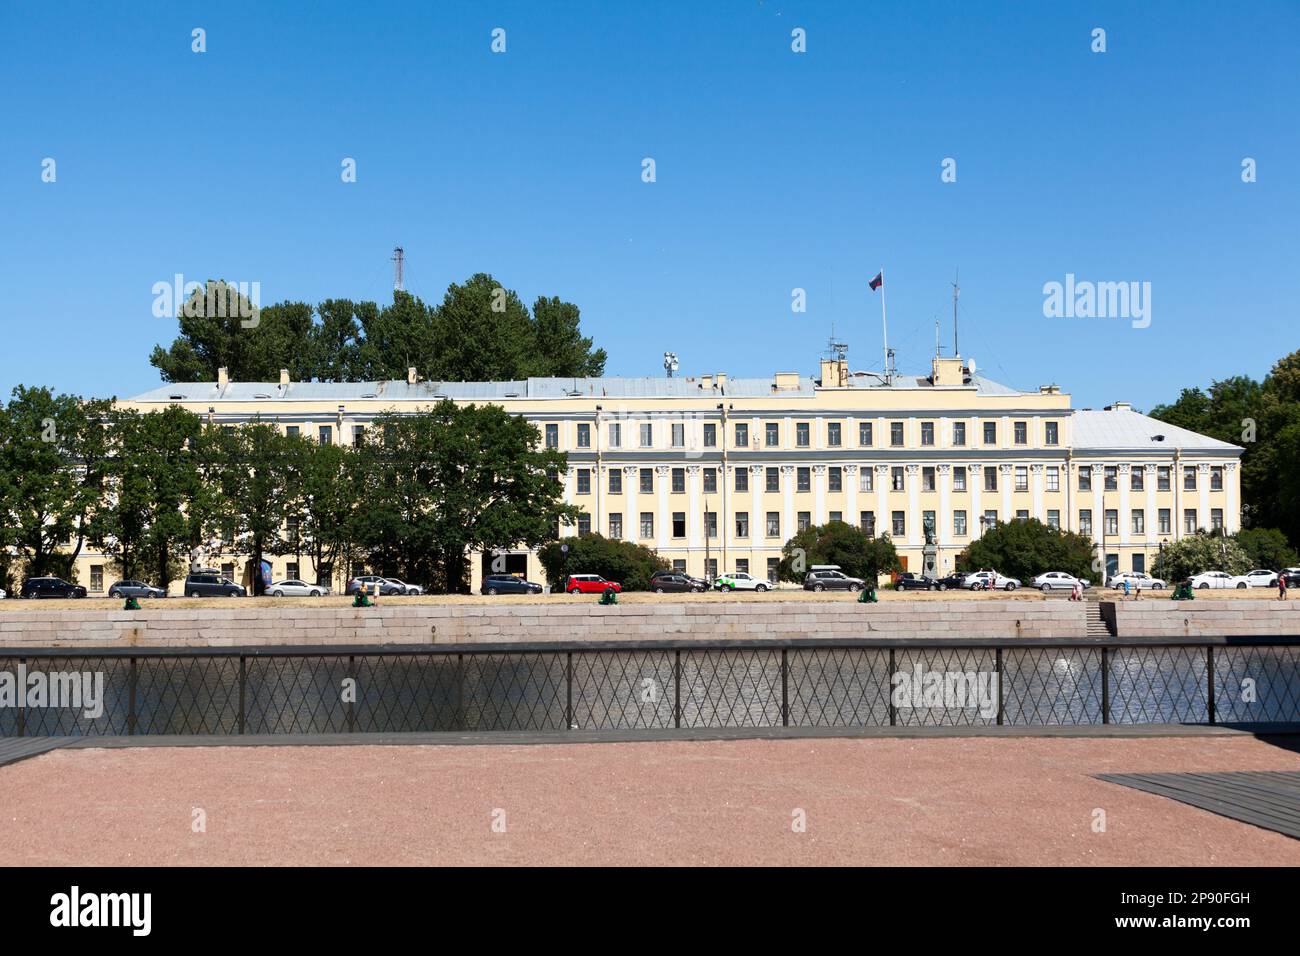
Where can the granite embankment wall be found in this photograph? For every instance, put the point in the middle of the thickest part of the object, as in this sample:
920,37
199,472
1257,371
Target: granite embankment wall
1207,618
539,622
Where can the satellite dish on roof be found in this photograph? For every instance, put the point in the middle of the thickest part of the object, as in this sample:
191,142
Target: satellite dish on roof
970,366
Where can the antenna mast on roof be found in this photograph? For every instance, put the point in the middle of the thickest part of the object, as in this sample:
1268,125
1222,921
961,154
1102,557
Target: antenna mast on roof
670,363
956,290
399,256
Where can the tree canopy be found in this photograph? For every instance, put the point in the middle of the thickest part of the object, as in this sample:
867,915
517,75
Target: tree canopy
840,543
1203,551
481,331
1025,549
626,562
1264,418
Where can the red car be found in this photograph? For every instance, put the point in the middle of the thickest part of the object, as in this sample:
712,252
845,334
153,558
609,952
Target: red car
589,584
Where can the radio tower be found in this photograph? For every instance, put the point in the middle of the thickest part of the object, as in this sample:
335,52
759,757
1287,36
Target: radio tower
398,257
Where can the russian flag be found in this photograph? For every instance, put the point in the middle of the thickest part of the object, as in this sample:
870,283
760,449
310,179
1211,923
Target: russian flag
878,281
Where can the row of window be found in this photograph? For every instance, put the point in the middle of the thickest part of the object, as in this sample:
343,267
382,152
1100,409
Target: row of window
802,434
898,522
897,479
325,433
1137,477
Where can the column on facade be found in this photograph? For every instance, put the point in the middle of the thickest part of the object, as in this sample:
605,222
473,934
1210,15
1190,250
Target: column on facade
663,477
567,530
1098,504
914,533
694,513
757,517
631,520
945,510
1153,510
1036,483
1203,492
819,494
787,493
851,494
882,500
1125,516
975,482
1007,478
1231,510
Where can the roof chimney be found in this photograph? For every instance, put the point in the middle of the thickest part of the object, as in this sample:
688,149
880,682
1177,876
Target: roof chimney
411,376
1119,407
223,377
284,377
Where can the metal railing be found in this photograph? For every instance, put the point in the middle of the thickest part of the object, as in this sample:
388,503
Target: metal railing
648,685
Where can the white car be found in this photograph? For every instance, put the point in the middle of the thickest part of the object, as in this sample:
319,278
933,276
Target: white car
989,581
1136,579
1260,578
1058,579
1218,579
740,581
404,588
293,588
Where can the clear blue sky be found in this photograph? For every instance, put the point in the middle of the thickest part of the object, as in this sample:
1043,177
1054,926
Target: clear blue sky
775,170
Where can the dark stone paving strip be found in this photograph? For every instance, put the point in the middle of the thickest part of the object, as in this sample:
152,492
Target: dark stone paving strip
14,749
1264,799
517,738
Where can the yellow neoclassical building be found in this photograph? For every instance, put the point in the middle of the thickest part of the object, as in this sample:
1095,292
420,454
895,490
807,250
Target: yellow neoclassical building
716,473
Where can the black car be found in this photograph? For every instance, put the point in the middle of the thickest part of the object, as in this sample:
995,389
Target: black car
137,589
508,584
954,580
212,584
662,582
907,581
51,588
831,581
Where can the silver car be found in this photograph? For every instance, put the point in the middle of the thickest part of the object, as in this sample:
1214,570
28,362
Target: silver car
294,588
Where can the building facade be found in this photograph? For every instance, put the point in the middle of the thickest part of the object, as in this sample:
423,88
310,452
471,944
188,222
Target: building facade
716,474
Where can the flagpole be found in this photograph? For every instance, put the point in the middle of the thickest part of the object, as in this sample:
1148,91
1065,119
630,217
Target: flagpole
884,322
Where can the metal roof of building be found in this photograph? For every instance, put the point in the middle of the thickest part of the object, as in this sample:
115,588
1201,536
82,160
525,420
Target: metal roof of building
533,388
1121,429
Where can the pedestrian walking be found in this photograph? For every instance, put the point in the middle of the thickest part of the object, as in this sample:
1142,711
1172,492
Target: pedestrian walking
1074,591
1281,585
1126,589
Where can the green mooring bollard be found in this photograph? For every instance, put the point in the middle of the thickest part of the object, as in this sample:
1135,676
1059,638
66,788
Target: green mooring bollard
868,596
131,604
609,596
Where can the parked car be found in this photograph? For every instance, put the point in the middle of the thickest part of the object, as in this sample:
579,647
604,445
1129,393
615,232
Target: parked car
907,581
673,581
1260,578
1136,579
990,581
1218,579
1292,576
374,583
508,584
295,588
741,581
1054,580
953,581
51,588
831,581
3,595
698,582
212,584
136,589
405,588
589,584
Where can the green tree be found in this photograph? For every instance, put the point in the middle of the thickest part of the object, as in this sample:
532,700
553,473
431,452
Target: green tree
840,543
1025,549
560,349
454,479
483,333
1203,551
322,501
53,452
149,520
1266,548
247,467
209,340
630,564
